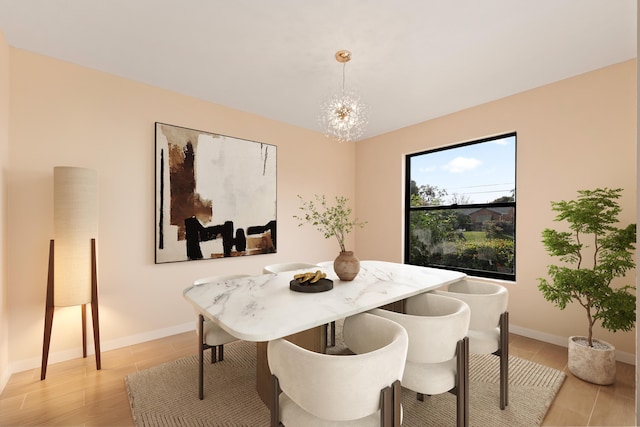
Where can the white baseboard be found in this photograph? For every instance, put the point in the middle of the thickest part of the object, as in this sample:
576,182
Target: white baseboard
4,379
23,365
621,356
61,356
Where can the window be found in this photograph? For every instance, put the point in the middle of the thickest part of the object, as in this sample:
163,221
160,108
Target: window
460,207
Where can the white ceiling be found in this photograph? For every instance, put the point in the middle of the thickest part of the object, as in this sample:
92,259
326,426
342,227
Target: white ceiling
413,60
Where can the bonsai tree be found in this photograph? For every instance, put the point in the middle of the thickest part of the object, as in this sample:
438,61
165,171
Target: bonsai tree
594,252
331,221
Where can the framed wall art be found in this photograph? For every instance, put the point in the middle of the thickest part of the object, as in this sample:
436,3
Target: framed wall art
215,195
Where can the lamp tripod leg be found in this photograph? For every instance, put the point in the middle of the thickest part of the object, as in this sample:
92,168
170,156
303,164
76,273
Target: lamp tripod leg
83,308
49,309
48,316
48,322
96,333
94,304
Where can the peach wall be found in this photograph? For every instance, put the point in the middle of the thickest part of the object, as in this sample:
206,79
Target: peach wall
574,134
4,161
63,114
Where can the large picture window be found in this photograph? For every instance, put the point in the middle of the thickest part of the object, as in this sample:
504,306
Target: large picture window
460,207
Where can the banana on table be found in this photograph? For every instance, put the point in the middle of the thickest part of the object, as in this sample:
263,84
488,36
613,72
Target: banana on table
311,277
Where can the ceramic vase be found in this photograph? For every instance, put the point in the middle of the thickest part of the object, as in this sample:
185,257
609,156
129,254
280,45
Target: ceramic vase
346,266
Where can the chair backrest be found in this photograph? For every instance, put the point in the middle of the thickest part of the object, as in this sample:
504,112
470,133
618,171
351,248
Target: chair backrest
342,387
325,264
210,279
487,301
287,266
434,323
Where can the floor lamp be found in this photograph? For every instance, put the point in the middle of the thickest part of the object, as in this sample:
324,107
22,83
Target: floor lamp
72,277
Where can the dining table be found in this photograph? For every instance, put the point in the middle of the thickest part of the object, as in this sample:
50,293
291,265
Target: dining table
264,307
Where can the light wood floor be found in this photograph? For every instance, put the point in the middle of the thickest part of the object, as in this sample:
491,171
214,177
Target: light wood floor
75,394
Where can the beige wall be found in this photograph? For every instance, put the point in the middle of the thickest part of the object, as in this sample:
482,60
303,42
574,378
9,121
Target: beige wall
578,133
4,161
63,114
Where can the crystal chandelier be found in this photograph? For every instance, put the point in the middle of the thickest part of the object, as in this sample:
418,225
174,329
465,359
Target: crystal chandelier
343,116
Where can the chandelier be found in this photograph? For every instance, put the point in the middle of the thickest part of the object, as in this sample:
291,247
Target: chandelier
343,116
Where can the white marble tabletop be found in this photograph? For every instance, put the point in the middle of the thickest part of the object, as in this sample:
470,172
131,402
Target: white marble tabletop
262,308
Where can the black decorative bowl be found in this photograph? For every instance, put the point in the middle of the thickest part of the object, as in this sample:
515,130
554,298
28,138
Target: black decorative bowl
320,286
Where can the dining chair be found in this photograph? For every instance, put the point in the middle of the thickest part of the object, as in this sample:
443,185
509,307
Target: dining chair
438,354
289,266
210,335
362,389
489,325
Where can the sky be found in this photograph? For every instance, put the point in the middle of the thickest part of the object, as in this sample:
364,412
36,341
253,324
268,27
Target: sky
483,172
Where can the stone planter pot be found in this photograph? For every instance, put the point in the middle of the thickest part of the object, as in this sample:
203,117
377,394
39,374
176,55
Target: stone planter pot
595,364
346,266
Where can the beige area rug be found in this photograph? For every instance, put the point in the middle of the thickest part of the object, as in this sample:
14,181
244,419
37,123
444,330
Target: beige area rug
167,395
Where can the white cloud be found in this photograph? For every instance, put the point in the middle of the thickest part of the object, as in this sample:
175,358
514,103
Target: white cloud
503,141
461,164
427,169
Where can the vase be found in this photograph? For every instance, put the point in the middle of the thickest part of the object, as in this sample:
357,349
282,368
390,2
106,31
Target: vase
346,266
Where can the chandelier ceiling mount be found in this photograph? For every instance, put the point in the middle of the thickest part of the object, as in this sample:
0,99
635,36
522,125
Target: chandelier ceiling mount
343,116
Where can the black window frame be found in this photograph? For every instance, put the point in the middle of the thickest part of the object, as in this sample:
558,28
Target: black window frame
408,209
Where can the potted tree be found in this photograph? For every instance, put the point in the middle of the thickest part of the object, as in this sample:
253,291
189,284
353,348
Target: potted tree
593,253
333,221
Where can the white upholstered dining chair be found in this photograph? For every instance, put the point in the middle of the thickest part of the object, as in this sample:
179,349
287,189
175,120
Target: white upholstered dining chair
489,325
287,266
438,355
210,335
315,389
325,264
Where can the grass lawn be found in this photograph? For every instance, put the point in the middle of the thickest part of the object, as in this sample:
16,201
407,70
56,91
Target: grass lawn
474,236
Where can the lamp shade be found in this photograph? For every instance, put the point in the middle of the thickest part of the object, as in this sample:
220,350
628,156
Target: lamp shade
75,223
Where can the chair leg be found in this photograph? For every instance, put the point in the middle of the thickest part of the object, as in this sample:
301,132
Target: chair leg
397,403
504,360
275,401
201,354
330,331
467,352
386,407
221,352
333,334
462,386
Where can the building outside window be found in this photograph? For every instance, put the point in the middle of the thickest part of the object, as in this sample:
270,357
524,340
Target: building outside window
460,207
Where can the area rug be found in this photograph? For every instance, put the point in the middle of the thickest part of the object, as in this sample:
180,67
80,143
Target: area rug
167,395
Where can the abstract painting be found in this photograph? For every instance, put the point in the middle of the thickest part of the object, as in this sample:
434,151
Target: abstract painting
215,195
